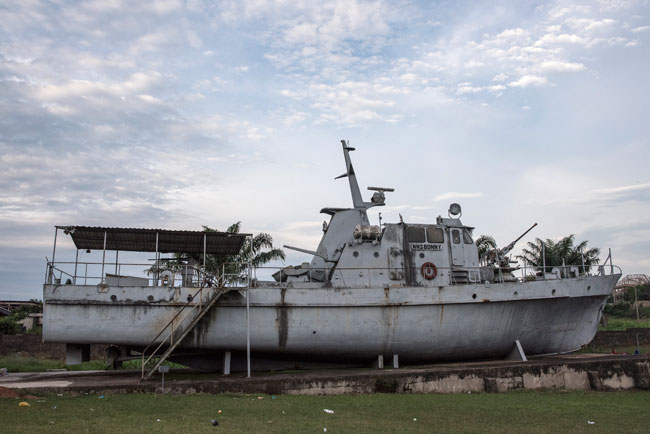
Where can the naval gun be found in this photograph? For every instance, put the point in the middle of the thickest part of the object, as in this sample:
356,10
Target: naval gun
499,256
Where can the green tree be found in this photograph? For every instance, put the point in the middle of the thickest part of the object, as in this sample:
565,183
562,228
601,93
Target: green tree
257,250
485,243
9,325
556,253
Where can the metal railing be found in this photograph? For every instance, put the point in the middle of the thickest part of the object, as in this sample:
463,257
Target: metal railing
236,274
378,276
186,275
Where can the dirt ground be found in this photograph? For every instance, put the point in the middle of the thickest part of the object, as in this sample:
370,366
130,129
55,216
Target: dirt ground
5,392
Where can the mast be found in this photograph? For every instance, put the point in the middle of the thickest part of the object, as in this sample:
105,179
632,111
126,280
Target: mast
357,200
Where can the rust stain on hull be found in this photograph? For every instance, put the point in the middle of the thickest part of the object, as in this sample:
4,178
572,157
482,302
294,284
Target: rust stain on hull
282,321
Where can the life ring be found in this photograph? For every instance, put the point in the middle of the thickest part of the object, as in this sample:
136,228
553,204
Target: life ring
429,270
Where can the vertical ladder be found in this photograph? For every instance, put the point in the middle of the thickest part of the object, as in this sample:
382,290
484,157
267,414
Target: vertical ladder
176,336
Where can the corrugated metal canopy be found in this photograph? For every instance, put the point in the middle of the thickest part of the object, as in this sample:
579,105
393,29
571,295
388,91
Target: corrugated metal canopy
144,240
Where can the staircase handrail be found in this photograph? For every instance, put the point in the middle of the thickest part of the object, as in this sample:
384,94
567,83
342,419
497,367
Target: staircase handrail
170,324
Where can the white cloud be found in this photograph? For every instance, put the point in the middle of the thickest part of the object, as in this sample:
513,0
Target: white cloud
473,64
496,88
589,24
150,99
640,29
194,39
623,189
164,6
560,66
529,80
468,88
135,83
153,41
562,11
564,38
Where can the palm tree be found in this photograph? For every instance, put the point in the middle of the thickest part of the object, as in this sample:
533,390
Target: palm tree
233,268
485,243
557,253
256,251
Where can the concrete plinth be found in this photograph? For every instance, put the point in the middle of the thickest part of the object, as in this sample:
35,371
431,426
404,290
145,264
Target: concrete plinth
76,354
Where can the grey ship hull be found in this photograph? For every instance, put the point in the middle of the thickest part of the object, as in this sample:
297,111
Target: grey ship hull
308,321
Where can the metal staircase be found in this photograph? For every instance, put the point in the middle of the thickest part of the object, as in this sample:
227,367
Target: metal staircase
178,328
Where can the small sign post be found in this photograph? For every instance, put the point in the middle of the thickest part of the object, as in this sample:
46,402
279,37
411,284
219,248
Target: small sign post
163,370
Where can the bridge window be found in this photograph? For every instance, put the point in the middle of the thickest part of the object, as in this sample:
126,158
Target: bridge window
455,236
416,235
435,235
467,237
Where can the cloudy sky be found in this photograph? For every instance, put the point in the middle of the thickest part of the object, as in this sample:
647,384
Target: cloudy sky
173,114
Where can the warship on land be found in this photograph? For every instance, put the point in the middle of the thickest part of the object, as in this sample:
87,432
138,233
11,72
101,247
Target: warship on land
412,290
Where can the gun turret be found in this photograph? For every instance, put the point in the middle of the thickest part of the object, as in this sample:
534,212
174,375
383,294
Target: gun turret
499,256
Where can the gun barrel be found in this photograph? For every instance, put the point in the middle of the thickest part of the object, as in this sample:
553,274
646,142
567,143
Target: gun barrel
510,246
524,234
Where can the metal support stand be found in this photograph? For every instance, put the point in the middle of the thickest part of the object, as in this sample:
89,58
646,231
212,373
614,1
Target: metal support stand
380,362
226,363
517,353
395,361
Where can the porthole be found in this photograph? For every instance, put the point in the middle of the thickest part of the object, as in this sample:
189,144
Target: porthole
588,288
473,295
150,298
376,254
553,292
422,255
355,254
113,297
515,294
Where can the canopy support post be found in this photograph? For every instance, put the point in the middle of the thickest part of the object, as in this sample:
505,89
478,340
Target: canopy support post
103,259
76,260
51,274
205,245
157,268
543,260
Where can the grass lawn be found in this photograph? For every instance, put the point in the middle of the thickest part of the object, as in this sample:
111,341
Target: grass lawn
643,349
516,412
620,323
32,364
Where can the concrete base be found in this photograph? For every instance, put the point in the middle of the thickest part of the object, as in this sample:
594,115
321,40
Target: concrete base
76,354
579,372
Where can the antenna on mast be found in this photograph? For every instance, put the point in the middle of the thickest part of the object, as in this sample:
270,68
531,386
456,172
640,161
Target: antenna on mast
378,197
